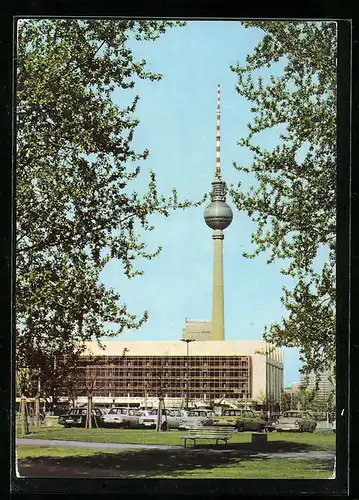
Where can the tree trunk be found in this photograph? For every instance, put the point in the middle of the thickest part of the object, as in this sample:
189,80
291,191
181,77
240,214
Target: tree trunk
24,417
89,412
159,415
37,404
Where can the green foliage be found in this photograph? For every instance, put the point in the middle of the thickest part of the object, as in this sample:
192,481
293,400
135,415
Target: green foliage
75,208
23,381
293,199
308,399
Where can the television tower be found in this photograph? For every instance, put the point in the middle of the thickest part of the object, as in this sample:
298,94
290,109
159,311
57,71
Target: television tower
218,215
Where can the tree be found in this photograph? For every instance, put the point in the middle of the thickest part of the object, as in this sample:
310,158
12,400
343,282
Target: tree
75,208
59,374
287,401
293,197
23,382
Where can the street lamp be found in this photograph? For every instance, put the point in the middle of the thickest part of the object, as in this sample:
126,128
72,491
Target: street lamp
187,385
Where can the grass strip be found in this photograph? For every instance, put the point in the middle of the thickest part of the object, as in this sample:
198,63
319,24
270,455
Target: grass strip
262,469
167,464
303,441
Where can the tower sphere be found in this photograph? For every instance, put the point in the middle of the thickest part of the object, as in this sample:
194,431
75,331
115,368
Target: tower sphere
218,215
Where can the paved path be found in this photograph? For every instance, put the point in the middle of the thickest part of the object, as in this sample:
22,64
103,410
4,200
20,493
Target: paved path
83,444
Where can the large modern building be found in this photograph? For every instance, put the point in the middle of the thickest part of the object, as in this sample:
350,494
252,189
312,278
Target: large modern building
140,372
203,366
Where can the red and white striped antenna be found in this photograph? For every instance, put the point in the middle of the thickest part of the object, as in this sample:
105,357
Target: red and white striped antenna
218,136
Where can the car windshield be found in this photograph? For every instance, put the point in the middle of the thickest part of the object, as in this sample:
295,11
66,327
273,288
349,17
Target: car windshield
292,414
118,411
155,412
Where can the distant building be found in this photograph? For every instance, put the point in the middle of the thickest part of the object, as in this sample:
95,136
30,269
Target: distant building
326,382
292,389
197,330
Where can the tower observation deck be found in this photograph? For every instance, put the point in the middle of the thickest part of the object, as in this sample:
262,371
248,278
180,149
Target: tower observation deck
218,216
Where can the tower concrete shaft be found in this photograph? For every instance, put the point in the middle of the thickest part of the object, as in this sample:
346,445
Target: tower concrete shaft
218,215
218,293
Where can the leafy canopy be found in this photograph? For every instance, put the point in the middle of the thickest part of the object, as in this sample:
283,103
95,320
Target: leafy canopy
75,206
293,196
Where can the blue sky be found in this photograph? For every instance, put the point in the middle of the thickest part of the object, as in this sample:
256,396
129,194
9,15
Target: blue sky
178,125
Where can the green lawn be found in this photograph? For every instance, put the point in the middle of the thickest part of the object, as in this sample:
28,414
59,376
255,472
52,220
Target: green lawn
263,469
238,460
166,464
28,451
316,441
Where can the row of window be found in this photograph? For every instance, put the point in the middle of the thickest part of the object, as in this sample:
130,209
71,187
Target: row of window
161,361
238,387
135,369
197,394
171,375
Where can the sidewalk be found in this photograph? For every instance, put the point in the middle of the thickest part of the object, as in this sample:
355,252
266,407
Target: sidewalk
87,444
129,446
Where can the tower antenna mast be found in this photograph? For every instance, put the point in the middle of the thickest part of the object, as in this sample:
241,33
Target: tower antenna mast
218,135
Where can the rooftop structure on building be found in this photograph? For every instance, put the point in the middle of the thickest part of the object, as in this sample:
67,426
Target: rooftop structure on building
197,330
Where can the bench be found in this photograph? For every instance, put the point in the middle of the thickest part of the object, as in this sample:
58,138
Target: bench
208,432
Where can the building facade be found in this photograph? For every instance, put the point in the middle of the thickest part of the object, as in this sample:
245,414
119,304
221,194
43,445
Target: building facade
210,371
326,383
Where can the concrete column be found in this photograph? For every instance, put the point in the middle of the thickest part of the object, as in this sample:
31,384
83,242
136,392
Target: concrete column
218,295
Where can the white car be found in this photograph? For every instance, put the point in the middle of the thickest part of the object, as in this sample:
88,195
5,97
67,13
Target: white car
197,418
295,420
121,417
171,418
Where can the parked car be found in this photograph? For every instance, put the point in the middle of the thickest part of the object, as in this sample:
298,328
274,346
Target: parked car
197,418
121,417
270,423
105,410
76,417
241,419
296,420
171,418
